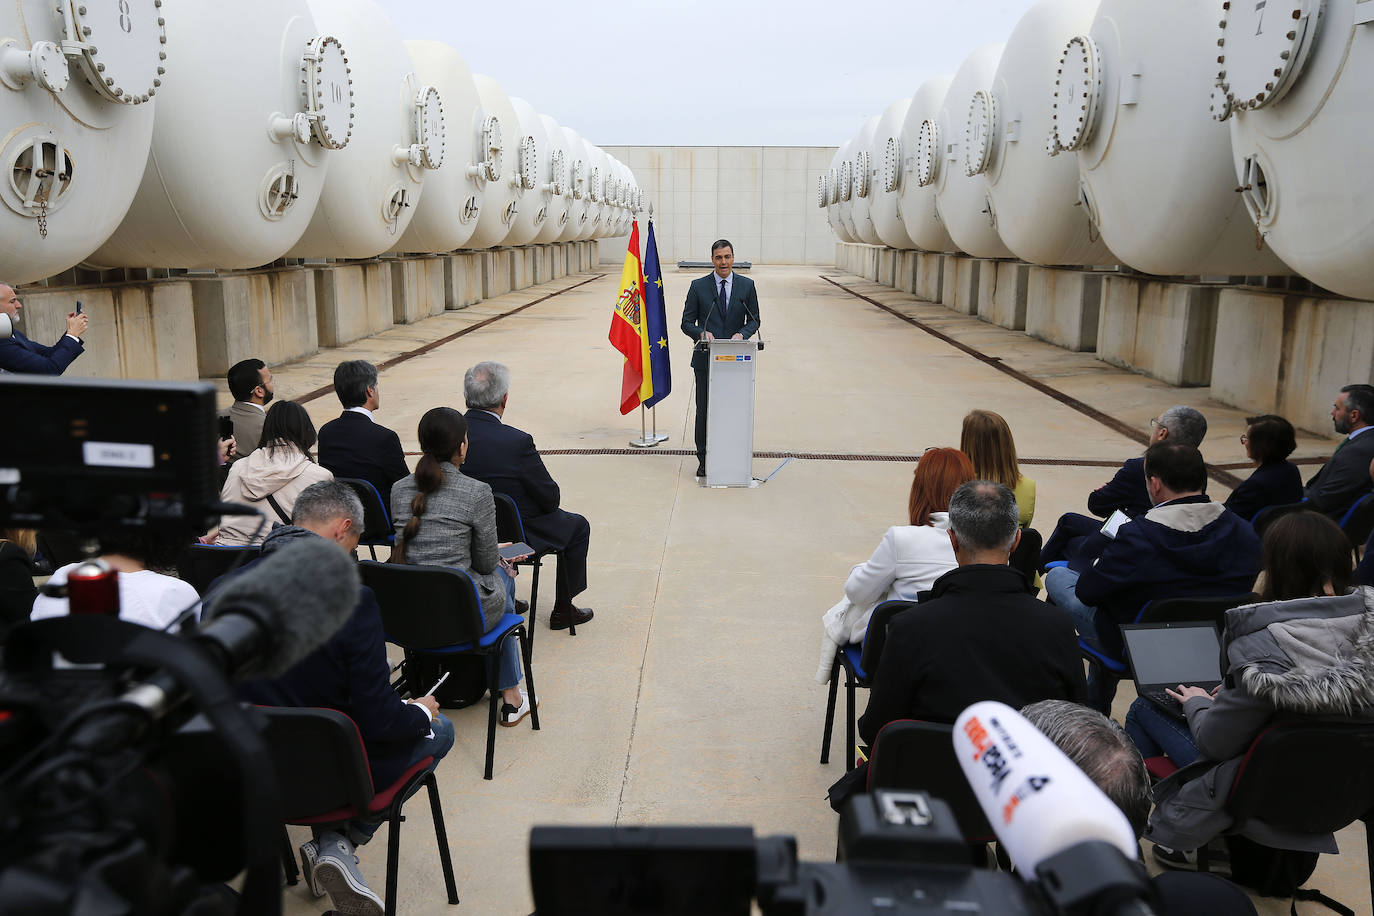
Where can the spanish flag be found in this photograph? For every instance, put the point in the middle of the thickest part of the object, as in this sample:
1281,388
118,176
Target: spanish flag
627,326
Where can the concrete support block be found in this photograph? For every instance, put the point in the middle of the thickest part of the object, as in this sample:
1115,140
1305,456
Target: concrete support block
417,288
521,267
270,315
906,271
961,284
1290,354
1063,306
1165,330
1002,287
543,263
462,280
887,267
352,301
495,272
560,260
930,276
138,330
593,255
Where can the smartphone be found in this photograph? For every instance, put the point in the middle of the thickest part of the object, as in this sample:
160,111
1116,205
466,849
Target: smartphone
226,427
78,306
516,550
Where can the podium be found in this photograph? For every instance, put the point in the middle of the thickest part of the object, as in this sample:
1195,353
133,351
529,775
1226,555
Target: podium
730,413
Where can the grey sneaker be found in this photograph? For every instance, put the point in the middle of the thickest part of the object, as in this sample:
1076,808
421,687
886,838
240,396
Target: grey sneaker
336,870
310,854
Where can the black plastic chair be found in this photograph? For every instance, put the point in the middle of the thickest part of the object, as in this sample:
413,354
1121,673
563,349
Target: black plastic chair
202,564
323,776
377,527
1026,556
859,661
434,610
911,754
1107,653
510,527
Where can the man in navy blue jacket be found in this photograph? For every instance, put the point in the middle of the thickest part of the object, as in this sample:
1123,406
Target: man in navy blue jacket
721,304
355,444
19,354
350,673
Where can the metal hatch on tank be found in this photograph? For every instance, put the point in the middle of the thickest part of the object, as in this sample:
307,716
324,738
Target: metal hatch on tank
497,134
887,186
556,178
528,180
861,194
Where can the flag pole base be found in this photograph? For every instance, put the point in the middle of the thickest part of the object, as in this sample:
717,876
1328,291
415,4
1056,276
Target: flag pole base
648,441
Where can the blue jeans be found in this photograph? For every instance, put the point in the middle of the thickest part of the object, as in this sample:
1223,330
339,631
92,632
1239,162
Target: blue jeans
1060,584
360,831
508,663
1155,732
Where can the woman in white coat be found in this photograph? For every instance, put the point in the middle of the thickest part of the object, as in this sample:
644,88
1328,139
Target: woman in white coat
272,476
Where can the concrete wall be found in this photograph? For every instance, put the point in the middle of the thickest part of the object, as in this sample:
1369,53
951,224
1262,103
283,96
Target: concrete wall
761,198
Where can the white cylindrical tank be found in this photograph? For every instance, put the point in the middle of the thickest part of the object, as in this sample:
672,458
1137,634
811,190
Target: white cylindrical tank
864,173
1154,166
1034,195
529,177
623,216
603,184
591,190
78,126
447,213
832,207
612,191
245,132
1302,141
496,132
961,193
921,148
577,185
556,220
887,184
374,183
844,190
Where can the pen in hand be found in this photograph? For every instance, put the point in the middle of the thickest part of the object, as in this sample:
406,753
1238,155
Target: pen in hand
437,684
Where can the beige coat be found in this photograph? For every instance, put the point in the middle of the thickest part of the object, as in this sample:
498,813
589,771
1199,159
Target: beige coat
281,473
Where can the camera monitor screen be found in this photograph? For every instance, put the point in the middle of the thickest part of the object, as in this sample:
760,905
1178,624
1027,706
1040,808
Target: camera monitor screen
92,454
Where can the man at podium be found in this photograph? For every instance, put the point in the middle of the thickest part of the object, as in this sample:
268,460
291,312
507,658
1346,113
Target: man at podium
724,305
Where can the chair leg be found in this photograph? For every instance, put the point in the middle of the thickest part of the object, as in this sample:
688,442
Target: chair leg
526,638
393,858
495,693
1369,849
288,859
441,837
373,550
534,598
849,689
830,709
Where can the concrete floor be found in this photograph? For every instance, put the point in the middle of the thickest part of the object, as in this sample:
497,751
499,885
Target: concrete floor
690,698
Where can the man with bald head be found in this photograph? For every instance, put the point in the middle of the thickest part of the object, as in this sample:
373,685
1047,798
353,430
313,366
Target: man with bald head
19,354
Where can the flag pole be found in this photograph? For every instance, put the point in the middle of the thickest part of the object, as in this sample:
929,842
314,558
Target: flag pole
644,440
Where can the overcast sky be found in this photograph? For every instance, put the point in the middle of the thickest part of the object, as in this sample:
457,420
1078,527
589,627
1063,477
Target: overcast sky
673,73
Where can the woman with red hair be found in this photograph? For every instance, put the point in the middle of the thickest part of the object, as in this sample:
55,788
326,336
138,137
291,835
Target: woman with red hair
908,560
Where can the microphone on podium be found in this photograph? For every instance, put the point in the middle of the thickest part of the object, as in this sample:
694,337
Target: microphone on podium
1037,800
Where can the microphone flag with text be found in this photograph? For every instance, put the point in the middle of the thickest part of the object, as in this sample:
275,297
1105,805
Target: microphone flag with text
1037,800
627,324
658,379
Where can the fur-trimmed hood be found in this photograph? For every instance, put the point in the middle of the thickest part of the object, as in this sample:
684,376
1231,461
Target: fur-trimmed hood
1310,655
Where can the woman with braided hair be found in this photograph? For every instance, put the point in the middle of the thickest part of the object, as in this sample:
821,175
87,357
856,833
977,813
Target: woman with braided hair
443,518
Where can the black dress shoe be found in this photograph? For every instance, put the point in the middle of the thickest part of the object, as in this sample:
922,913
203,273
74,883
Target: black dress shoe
522,607
561,617
701,469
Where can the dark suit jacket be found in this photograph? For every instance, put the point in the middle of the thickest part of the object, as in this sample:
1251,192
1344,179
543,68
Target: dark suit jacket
1344,478
1126,491
1275,483
700,313
505,459
19,354
980,636
354,446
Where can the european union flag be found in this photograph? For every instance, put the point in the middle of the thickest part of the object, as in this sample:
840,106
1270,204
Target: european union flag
656,323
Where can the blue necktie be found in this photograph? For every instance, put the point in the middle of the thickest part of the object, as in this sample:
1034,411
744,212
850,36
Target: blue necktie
723,303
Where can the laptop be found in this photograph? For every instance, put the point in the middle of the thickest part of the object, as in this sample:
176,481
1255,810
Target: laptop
1164,655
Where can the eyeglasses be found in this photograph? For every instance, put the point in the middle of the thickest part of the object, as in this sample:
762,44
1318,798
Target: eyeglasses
1244,438
1154,422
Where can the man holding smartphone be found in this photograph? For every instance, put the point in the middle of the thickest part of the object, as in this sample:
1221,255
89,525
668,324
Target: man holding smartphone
19,354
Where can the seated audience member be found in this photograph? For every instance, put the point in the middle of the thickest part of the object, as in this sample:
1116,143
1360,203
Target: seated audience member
355,444
19,354
350,673
986,439
444,518
1345,476
1268,441
272,477
17,591
980,635
146,596
1186,546
1303,651
1126,491
250,382
909,558
1099,748
505,458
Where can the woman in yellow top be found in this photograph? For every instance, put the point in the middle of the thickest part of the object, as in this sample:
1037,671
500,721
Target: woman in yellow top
986,439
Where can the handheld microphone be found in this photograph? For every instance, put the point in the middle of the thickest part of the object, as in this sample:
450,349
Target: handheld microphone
1036,799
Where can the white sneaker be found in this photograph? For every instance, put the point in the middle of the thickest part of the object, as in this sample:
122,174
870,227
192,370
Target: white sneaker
310,855
336,870
511,715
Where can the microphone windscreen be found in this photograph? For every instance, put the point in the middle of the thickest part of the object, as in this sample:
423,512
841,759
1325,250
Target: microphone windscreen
1036,799
301,593
6,327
